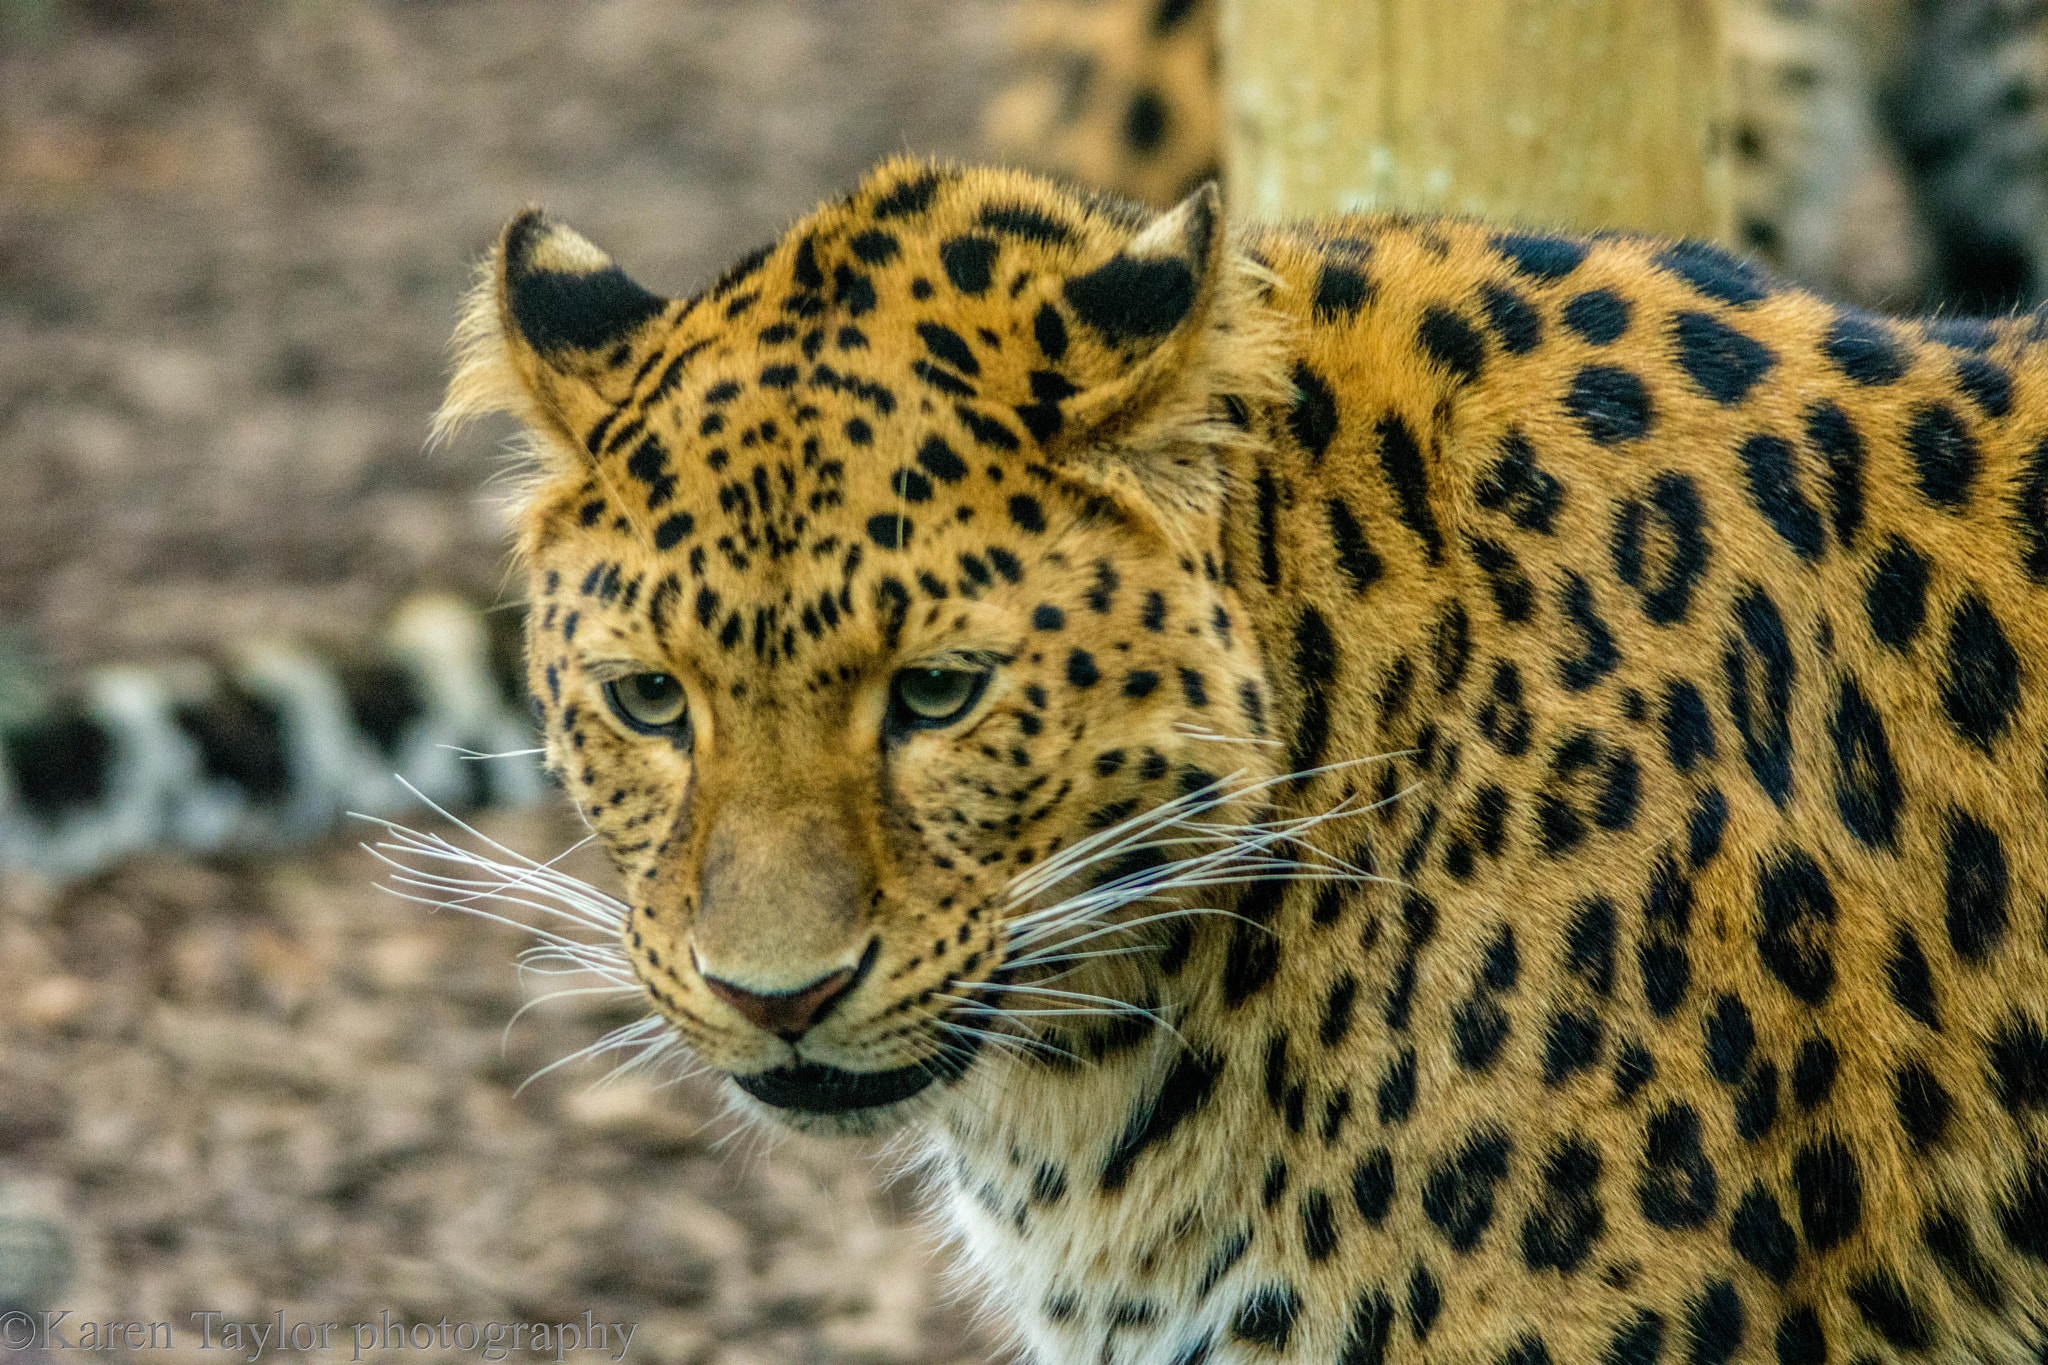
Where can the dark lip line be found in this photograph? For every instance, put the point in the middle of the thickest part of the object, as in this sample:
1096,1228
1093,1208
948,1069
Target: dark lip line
814,1088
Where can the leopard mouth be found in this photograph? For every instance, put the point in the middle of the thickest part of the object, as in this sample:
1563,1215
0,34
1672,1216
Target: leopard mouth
814,1088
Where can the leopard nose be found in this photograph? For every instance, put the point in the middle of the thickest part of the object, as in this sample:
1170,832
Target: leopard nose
786,1014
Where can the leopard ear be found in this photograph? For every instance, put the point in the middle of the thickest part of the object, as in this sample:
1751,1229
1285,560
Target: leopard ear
1170,324
542,330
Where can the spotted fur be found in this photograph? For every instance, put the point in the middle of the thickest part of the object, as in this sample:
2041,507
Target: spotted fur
1551,731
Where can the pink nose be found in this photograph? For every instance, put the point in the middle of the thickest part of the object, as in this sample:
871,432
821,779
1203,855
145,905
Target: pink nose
786,1014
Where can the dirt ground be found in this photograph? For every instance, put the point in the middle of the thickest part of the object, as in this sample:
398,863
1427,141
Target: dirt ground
232,239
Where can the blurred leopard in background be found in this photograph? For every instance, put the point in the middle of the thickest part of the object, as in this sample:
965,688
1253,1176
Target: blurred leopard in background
1386,790
1892,153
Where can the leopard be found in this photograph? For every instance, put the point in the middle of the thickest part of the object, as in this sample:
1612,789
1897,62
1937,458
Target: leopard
1389,789
1886,152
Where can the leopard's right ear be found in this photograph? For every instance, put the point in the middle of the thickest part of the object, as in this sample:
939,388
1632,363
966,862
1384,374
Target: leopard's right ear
548,331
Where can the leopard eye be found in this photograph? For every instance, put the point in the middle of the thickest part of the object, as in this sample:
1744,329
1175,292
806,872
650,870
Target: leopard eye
652,703
927,698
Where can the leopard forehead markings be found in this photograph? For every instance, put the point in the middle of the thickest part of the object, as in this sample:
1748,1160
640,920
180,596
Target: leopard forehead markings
1602,681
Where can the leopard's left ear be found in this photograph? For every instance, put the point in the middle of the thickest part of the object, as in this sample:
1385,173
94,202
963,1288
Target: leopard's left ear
550,319
1170,326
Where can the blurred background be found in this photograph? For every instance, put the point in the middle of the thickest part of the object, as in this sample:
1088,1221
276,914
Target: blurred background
233,238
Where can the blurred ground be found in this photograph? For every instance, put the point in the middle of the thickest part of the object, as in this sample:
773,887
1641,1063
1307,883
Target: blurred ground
232,239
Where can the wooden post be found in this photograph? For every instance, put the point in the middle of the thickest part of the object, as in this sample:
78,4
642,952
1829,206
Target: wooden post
1577,113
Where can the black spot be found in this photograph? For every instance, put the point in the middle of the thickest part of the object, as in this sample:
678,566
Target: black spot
1513,319
1688,729
2031,503
1354,556
969,260
949,346
1678,1188
1266,491
1798,909
1989,385
1885,1308
1767,461
1813,1074
1830,1191
1639,1341
1527,1349
1800,1340
1401,461
1981,686
1864,349
1267,1317
873,246
1724,363
1611,403
1682,545
1050,331
1540,257
1081,669
1730,1037
1453,343
1566,1218
1315,664
1145,120
1185,1090
1318,1226
1478,1028
2018,1053
1514,596
1867,789
1313,416
1025,511
1634,1068
1763,717
1949,1238
1597,656
1372,1185
1756,1103
1760,1235
1458,1192
1923,1103
1425,1301
1571,1043
910,486
1021,220
1714,1324
890,530
2024,1216
1896,596
1451,647
1337,1009
1978,885
1909,980
1396,1091
913,195
1598,315
1128,297
1530,496
1715,273
1340,292
1829,431
1704,825
1372,1324
1944,455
